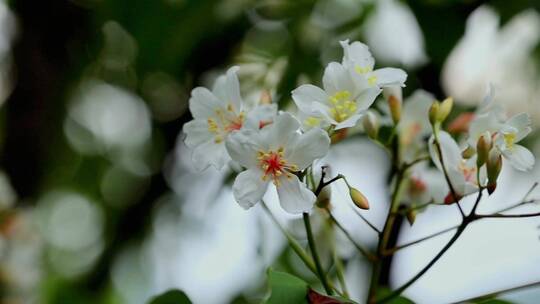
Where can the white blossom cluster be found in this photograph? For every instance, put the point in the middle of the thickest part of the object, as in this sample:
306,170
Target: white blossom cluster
279,147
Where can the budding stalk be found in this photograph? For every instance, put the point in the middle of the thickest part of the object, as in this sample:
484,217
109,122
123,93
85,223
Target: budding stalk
371,125
439,111
395,108
483,146
493,166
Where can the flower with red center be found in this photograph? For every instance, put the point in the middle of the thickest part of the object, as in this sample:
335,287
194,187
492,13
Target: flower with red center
275,154
217,114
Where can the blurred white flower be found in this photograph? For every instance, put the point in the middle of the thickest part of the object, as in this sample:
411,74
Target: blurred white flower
487,54
275,153
105,117
217,114
394,35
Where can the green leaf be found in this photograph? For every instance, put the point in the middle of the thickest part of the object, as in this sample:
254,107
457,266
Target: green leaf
383,292
286,288
173,296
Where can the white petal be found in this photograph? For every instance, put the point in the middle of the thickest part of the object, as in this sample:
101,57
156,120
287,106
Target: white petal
349,122
203,103
522,123
390,77
366,98
307,94
520,158
242,147
481,124
227,88
278,134
310,146
337,78
357,54
294,196
210,153
260,116
249,188
449,150
196,133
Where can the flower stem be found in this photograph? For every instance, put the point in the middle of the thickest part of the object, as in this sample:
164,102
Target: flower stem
315,254
385,237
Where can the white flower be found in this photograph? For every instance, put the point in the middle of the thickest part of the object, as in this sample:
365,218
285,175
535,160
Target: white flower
461,172
274,154
216,114
505,135
342,102
358,58
510,133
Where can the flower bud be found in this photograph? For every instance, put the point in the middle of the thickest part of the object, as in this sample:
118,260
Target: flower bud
483,146
358,198
323,199
494,166
395,108
371,125
445,109
468,152
434,112
411,216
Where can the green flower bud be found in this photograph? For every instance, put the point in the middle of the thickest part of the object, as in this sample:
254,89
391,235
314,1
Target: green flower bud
483,146
468,152
358,198
434,112
445,109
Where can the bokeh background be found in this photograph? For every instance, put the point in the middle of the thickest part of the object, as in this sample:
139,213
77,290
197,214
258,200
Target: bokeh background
99,202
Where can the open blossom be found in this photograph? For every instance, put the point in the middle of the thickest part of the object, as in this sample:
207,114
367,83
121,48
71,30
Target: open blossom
341,103
358,58
462,173
216,114
505,135
274,154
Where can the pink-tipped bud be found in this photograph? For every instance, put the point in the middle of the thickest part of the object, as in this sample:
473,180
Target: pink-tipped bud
494,167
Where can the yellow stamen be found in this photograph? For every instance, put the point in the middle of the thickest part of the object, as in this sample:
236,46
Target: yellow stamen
342,106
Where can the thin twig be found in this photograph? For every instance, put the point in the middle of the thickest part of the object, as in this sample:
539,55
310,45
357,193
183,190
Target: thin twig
315,254
464,223
365,220
493,294
362,250
391,251
446,176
